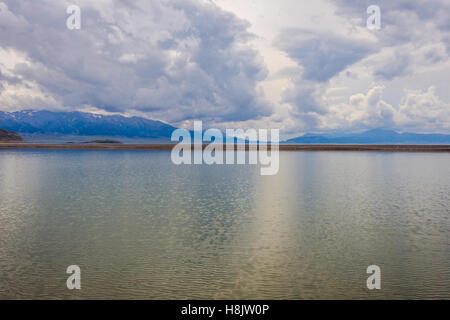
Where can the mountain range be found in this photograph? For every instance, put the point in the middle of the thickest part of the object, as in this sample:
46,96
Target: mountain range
82,124
374,136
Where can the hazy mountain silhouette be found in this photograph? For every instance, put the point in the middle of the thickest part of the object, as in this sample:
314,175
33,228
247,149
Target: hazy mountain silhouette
87,124
374,136
83,124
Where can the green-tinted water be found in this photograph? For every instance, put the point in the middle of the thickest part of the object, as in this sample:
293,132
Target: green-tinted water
141,227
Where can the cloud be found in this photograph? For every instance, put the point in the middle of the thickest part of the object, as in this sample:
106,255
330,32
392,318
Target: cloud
322,55
419,111
362,111
415,23
392,68
413,40
181,60
171,60
424,110
305,95
392,12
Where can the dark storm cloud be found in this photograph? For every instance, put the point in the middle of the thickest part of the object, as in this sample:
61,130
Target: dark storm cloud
175,60
322,55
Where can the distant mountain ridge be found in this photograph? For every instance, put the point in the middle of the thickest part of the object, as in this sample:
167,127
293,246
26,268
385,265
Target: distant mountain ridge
374,136
83,124
49,123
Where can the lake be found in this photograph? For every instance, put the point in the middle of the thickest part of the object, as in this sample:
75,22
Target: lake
141,227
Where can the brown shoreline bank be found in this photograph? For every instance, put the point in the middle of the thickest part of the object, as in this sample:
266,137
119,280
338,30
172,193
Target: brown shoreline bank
282,147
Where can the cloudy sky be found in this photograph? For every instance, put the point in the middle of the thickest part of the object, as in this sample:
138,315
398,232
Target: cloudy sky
301,66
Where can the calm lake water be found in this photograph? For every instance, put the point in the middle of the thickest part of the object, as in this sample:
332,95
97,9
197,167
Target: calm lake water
140,227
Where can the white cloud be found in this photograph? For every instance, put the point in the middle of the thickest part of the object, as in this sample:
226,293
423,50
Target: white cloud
424,111
294,65
171,60
411,46
419,111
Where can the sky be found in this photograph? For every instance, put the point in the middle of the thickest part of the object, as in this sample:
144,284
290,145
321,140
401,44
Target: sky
296,65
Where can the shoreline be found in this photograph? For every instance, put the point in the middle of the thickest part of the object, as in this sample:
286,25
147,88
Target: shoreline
282,147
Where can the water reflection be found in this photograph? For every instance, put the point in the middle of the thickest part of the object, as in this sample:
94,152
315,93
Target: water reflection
141,227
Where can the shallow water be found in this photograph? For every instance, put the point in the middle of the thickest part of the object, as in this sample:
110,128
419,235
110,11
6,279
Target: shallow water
140,227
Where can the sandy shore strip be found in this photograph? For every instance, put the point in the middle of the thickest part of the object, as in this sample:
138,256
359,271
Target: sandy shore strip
282,147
